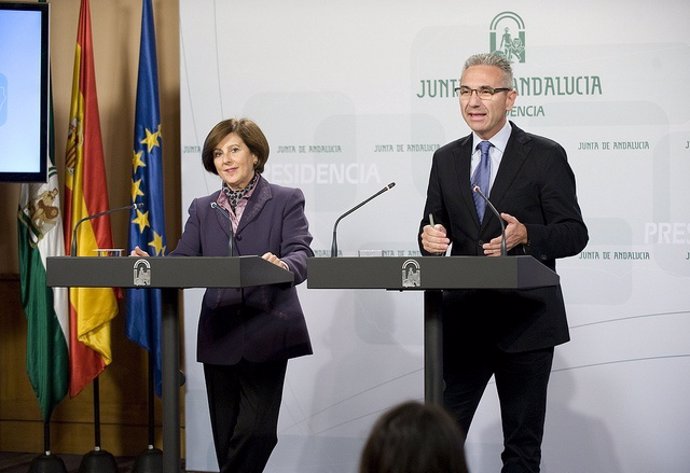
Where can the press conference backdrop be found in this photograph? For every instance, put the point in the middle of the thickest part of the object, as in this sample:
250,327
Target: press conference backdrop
355,95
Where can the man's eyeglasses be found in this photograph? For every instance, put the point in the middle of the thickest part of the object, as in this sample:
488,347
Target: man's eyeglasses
484,93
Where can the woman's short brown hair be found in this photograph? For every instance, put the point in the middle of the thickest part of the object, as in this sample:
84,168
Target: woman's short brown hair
414,438
246,129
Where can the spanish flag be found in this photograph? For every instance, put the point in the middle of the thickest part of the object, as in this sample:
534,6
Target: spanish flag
91,310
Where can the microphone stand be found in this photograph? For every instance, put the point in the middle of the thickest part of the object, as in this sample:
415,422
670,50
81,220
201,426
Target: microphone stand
231,237
334,244
97,460
504,250
73,247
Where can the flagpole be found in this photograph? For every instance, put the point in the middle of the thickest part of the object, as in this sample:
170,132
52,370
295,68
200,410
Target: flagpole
151,459
47,462
97,412
97,460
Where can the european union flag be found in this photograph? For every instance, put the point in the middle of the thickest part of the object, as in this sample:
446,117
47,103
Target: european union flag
147,223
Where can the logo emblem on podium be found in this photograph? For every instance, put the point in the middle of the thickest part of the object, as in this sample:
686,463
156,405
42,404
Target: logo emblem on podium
142,273
411,274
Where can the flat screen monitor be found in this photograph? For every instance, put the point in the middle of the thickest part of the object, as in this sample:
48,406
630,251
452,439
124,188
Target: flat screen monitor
24,90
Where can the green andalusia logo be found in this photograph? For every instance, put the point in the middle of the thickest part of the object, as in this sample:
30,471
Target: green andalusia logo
507,37
511,29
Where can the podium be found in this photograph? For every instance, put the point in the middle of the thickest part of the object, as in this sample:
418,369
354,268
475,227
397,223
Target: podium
431,274
169,274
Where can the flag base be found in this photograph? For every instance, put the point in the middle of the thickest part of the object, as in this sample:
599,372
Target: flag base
98,461
47,463
150,461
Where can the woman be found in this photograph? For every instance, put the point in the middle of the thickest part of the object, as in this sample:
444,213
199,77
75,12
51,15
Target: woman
246,336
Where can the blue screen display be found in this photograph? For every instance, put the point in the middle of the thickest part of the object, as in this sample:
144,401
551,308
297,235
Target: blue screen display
23,91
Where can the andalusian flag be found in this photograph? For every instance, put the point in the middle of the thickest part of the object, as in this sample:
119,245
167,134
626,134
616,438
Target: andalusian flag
85,194
47,316
147,225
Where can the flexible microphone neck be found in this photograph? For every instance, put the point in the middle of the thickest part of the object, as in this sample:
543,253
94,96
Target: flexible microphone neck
504,250
334,244
73,247
231,237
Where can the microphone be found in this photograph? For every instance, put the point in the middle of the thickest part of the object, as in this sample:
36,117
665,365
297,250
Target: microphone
504,251
73,248
231,238
334,245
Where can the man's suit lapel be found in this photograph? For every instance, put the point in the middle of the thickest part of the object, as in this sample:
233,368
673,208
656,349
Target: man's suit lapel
513,159
462,157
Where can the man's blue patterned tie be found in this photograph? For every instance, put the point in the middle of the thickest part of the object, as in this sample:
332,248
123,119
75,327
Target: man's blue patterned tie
481,178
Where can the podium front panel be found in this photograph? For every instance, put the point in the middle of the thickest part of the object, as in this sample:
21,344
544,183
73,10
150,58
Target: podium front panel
162,272
429,272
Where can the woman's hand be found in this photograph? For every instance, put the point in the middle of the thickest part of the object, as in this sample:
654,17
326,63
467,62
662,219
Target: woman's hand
138,252
271,258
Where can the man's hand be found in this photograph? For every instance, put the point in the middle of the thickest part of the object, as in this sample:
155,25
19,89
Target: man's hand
516,234
434,239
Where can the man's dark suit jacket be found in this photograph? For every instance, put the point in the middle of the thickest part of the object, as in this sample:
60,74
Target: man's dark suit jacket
262,323
536,185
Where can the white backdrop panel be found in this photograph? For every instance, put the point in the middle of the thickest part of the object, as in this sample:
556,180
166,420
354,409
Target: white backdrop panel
354,95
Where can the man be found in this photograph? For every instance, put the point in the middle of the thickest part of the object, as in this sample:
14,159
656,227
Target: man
509,334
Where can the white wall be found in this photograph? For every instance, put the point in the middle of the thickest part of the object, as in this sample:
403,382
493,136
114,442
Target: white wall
348,75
